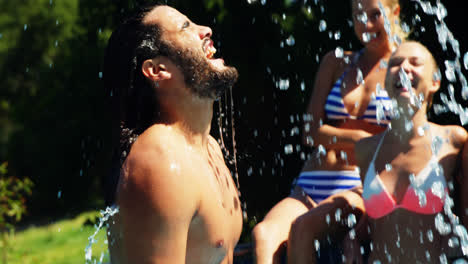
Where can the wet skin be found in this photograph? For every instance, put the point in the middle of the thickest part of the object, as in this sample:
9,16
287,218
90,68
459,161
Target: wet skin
298,212
178,202
398,233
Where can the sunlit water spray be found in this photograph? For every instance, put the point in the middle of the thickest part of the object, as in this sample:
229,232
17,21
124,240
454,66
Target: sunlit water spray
105,216
453,73
453,70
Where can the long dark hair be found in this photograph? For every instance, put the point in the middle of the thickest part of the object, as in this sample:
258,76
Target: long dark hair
133,97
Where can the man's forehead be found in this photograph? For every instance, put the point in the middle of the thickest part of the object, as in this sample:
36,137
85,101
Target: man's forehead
164,16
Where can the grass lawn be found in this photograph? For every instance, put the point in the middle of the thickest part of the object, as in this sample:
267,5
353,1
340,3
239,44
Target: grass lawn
63,242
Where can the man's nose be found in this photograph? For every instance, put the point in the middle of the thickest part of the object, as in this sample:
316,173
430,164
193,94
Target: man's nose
205,32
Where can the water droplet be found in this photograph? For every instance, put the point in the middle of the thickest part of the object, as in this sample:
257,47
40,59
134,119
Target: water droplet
438,189
59,194
337,35
428,256
450,71
421,131
443,259
81,172
283,84
388,167
442,227
453,242
436,144
290,41
430,235
321,151
263,2
327,219
352,234
100,75
294,131
351,220
25,27
317,245
338,215
408,125
383,64
302,86
359,77
322,25
344,156
365,37
362,17
1,35
288,149
379,112
339,52
465,60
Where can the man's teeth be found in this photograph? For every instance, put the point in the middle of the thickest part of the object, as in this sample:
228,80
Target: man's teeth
210,52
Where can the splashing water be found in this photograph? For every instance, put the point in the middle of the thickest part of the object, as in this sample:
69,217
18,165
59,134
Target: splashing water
339,52
359,77
322,26
105,215
446,38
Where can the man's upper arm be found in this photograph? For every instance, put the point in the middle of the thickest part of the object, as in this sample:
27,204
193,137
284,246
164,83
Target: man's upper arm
157,204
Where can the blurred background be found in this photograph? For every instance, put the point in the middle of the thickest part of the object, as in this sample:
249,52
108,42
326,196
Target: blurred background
55,120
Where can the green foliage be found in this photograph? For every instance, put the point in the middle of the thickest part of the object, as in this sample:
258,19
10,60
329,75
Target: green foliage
62,242
13,192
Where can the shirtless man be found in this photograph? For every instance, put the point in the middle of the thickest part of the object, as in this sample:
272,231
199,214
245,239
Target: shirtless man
177,201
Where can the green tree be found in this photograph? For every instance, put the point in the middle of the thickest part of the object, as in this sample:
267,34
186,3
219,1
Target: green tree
13,193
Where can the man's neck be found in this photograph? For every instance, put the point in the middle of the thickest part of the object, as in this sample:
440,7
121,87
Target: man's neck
192,116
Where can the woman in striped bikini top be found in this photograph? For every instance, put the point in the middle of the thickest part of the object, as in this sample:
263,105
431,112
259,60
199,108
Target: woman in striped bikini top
378,111
340,112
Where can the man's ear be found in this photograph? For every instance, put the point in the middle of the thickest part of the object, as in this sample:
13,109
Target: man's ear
155,71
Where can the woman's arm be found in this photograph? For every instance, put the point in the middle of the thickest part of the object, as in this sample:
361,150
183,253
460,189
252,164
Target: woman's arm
314,133
270,235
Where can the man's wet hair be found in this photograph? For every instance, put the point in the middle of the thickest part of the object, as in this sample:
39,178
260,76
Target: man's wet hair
133,97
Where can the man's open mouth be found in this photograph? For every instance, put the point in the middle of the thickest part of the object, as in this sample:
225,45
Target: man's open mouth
208,48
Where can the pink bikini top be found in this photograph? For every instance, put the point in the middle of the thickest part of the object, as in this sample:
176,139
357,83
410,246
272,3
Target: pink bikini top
425,194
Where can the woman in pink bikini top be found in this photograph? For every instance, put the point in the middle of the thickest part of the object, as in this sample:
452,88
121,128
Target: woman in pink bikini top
410,170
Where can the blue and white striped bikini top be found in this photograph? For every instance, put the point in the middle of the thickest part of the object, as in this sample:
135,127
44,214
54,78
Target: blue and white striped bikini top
378,111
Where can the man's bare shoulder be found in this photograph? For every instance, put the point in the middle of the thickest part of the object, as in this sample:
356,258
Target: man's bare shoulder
154,168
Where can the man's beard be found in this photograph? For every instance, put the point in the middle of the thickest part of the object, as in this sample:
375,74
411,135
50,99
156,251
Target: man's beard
200,76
